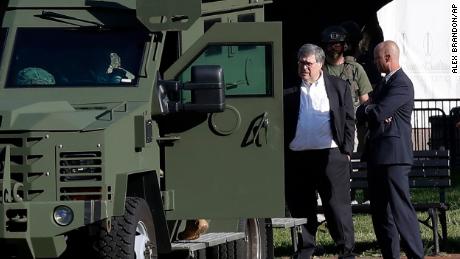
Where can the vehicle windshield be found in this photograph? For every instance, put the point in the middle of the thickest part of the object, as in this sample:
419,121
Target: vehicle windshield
75,57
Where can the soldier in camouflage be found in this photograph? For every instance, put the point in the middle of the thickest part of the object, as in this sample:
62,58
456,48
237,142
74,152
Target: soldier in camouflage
334,40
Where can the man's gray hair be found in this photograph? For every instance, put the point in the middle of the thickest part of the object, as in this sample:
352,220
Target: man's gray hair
311,49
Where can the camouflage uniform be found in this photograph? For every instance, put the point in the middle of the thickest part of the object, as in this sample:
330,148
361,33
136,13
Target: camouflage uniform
354,74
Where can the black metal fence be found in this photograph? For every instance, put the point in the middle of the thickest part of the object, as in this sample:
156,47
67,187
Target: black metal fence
433,126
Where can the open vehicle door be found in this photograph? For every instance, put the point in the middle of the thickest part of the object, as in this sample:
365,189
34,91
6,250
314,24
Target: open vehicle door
230,164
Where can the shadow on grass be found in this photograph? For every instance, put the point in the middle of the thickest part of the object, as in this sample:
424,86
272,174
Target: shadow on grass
452,246
361,248
283,251
369,247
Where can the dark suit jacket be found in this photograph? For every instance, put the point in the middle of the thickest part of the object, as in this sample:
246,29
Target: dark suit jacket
390,143
341,112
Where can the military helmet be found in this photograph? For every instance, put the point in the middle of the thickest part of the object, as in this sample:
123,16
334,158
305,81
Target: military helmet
333,34
34,76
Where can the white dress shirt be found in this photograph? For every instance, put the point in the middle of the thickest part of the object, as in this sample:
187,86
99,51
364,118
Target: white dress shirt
387,77
313,125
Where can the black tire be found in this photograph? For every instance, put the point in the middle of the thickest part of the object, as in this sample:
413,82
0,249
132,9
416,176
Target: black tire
212,252
231,251
240,249
201,254
258,241
222,251
121,240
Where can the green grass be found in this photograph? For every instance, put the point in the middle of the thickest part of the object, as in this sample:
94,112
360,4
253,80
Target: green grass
364,234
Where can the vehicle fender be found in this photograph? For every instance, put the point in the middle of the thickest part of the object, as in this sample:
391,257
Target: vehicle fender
145,185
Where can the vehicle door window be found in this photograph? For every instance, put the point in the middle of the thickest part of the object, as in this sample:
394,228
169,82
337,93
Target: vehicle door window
247,68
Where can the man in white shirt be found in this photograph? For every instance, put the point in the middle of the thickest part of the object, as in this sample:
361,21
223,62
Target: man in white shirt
319,134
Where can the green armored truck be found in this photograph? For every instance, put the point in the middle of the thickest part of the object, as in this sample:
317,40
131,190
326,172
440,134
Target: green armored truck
121,119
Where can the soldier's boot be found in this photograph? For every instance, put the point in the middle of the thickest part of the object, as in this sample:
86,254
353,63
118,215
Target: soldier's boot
193,229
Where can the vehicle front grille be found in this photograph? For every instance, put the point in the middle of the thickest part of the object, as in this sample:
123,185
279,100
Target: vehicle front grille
80,175
25,166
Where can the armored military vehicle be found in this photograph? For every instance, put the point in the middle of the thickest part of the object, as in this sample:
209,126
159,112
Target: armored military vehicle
121,119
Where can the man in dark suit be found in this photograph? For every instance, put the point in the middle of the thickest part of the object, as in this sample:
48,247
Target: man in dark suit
319,135
389,156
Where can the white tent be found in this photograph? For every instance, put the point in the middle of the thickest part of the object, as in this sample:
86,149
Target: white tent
423,29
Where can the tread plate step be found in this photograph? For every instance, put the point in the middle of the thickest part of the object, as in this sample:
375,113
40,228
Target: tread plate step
207,240
287,222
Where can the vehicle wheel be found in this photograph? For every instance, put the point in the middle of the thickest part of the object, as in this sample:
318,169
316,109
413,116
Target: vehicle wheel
201,254
231,250
258,243
132,235
240,249
259,239
222,251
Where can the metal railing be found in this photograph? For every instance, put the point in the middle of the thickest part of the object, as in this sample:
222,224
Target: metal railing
433,126
429,127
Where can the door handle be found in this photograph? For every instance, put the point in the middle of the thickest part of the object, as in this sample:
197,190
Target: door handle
253,132
263,124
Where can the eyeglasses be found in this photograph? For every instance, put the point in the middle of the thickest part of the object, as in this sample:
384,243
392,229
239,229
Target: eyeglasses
306,63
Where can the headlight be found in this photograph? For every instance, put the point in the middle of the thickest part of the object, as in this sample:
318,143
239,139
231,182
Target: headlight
63,215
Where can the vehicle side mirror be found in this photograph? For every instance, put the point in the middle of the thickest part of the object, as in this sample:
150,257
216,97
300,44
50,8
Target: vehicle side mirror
206,88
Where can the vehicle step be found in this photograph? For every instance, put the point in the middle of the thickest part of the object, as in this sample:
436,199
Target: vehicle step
287,222
207,240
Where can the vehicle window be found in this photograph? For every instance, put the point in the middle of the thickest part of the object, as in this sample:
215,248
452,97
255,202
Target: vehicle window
247,70
72,58
251,17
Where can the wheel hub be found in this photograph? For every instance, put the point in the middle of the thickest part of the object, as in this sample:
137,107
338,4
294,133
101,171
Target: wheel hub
143,247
